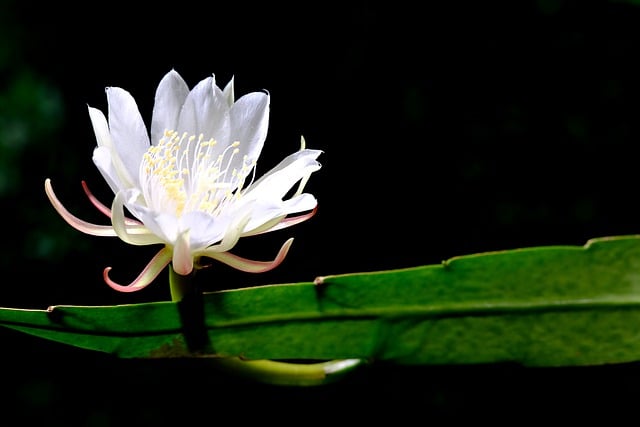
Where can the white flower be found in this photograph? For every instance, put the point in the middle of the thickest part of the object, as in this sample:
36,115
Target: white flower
190,183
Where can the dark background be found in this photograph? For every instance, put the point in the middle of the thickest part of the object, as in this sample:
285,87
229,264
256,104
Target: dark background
448,128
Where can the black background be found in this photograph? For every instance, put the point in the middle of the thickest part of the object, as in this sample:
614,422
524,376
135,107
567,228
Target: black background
448,128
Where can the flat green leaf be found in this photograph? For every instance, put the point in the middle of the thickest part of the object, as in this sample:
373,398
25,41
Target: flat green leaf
540,306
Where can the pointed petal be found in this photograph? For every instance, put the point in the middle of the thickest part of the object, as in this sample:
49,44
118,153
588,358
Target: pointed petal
231,236
250,266
75,222
249,121
164,225
148,274
260,211
205,112
105,156
170,96
265,227
94,201
229,93
305,178
303,202
279,180
131,234
286,222
205,229
182,257
128,131
267,213
102,208
100,128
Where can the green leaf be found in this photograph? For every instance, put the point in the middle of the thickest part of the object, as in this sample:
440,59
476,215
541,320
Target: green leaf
540,306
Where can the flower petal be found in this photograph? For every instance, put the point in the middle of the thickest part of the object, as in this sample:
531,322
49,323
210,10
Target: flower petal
301,203
131,234
100,128
230,238
205,228
229,93
148,274
128,130
249,120
182,257
267,216
102,208
205,111
105,156
265,227
170,96
284,223
165,226
75,222
247,265
260,212
279,180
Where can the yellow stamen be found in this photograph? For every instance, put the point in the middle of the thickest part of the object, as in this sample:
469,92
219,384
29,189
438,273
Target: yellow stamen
185,173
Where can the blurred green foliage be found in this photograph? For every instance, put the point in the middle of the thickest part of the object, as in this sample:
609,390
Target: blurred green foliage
32,125
31,114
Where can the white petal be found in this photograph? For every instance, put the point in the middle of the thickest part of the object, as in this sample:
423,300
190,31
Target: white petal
205,111
128,132
282,222
105,156
100,127
182,256
170,96
265,212
302,203
249,121
131,234
280,179
205,229
165,226
103,159
231,235
261,212
229,93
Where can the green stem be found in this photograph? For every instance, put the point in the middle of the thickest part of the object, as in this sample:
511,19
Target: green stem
184,292
287,373
179,285
191,309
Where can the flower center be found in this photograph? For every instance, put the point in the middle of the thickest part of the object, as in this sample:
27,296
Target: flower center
185,173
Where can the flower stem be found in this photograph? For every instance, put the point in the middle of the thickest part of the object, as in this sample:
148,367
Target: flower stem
179,285
190,305
288,373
